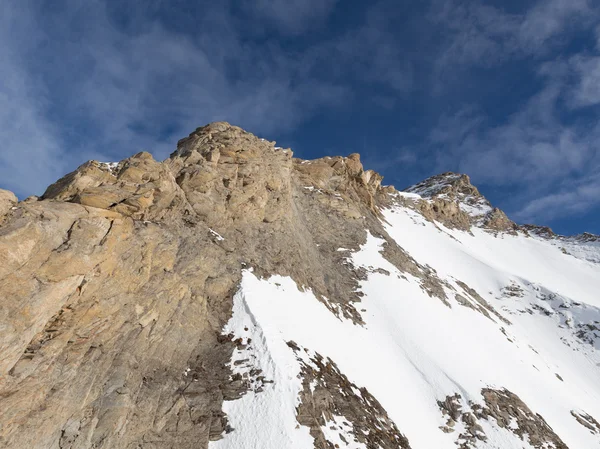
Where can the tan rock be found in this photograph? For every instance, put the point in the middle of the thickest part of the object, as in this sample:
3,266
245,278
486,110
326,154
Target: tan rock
116,284
8,200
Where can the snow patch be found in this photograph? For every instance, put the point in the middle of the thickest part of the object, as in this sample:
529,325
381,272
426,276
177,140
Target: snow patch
216,235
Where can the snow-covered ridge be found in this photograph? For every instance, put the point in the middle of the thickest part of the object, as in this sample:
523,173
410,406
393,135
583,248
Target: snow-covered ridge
584,246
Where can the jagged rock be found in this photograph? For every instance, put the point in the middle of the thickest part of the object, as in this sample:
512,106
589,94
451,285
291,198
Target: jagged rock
507,410
121,277
586,421
138,187
452,199
7,201
328,395
541,231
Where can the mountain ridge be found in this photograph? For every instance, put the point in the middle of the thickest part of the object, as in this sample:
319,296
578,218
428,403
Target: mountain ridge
452,186
231,297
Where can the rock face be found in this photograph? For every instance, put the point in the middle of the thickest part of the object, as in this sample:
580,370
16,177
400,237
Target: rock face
7,201
507,410
454,201
328,396
116,284
119,280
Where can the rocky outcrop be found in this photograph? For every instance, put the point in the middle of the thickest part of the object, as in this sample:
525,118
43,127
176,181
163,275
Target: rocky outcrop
547,233
586,421
116,283
330,401
450,198
508,412
138,187
8,200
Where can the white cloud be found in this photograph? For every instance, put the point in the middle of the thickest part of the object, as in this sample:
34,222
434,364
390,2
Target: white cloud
532,147
291,16
482,35
550,18
549,143
574,198
32,153
553,164
586,92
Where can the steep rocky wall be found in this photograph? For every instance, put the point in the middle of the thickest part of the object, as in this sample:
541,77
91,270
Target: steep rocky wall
115,285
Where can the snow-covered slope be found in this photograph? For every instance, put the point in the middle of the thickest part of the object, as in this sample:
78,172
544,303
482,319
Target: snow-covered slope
508,359
584,246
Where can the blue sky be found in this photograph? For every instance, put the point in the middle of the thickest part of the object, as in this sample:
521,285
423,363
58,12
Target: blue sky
505,91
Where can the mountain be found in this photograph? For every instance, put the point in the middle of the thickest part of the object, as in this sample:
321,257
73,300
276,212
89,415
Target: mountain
235,297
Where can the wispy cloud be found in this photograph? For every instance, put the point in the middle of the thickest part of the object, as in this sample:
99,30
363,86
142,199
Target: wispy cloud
535,149
482,35
291,16
574,198
547,149
31,151
76,85
532,146
586,91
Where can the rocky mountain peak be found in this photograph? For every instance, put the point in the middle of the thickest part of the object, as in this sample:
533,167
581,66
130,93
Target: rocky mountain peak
449,183
219,174
454,200
453,187
221,138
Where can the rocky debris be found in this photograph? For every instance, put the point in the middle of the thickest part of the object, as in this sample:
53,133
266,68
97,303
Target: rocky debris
586,237
476,302
584,246
513,290
586,421
452,408
328,397
8,200
451,199
582,320
508,411
589,332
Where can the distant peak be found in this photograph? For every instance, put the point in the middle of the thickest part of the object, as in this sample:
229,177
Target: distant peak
548,233
456,188
449,183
